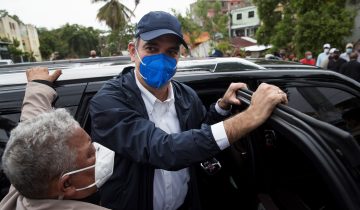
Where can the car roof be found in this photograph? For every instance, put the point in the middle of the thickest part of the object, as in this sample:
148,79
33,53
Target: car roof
64,64
186,67
280,64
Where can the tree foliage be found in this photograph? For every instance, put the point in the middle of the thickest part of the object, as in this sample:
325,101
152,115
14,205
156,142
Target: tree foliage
69,41
300,25
217,22
118,40
188,26
114,14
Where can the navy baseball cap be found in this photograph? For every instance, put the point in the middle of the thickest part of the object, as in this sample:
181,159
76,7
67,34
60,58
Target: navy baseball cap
158,23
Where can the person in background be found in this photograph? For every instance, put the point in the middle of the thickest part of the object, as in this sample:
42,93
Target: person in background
308,60
282,55
348,51
49,159
324,55
216,53
325,61
357,49
292,57
158,127
93,54
335,62
352,68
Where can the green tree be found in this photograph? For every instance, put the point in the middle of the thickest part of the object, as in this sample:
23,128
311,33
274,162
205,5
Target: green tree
51,42
16,54
69,41
114,14
300,25
188,26
119,40
80,40
216,23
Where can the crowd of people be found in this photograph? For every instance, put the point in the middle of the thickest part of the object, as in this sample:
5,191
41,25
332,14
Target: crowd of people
347,63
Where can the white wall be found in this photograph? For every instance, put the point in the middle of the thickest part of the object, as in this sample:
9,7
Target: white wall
202,50
245,21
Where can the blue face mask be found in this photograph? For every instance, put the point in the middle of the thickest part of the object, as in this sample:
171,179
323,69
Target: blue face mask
157,70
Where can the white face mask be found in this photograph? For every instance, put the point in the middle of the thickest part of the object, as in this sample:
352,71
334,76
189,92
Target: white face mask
104,165
326,50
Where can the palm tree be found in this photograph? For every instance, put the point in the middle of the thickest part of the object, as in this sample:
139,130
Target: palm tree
115,14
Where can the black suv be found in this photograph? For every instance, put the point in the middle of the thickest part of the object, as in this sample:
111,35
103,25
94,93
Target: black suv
306,156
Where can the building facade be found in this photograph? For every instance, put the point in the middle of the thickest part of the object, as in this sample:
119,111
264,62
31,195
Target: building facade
26,35
244,21
30,39
11,30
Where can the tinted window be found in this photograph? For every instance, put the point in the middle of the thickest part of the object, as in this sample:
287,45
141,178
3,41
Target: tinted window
7,123
331,105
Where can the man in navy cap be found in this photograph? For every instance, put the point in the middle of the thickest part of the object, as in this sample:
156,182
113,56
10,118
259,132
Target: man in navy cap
159,128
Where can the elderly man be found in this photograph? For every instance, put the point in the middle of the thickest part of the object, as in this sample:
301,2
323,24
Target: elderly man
49,157
159,128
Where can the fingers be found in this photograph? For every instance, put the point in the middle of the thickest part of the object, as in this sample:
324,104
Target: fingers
42,73
55,75
265,99
230,95
237,86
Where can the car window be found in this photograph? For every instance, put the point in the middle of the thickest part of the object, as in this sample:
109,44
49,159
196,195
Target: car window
331,105
7,123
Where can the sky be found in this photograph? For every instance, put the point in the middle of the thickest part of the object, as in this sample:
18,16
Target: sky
53,14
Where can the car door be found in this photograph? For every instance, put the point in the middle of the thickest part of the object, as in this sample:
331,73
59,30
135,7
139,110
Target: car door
336,101
334,154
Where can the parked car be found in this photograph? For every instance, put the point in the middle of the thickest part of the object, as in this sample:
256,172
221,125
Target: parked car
306,156
280,64
6,62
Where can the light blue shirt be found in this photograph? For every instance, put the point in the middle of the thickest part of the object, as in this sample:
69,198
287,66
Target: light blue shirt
322,56
345,56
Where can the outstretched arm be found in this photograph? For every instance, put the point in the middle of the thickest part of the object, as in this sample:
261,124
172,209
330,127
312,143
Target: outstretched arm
39,93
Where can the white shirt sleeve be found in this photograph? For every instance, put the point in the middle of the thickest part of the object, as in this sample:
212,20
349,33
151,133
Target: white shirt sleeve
221,111
220,136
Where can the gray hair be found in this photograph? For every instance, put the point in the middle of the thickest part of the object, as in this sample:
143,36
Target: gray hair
38,151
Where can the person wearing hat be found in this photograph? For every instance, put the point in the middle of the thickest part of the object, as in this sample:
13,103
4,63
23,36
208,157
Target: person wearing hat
308,60
322,56
158,127
348,51
335,62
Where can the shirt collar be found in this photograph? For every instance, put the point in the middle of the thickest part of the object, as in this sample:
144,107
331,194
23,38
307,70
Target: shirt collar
150,99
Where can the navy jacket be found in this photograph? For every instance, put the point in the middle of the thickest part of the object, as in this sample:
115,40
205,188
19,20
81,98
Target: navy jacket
121,123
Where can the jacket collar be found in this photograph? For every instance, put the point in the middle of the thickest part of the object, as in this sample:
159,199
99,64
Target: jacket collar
133,93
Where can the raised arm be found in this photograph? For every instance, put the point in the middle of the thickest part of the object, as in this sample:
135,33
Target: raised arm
39,93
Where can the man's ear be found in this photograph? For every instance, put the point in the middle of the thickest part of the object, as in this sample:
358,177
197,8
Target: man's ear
131,49
66,189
